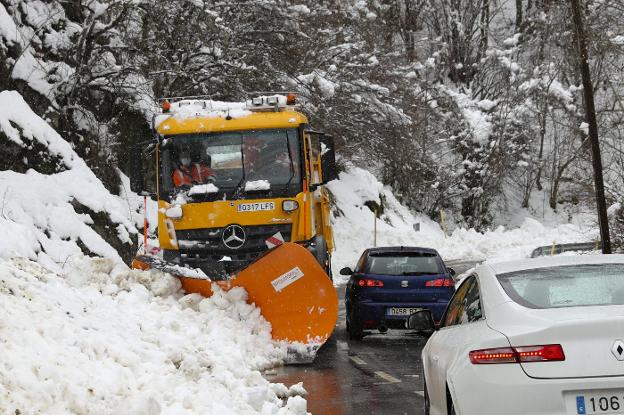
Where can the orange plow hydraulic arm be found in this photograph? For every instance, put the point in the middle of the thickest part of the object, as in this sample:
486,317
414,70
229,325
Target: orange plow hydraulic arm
291,289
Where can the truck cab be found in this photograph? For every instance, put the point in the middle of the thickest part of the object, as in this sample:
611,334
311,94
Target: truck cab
233,180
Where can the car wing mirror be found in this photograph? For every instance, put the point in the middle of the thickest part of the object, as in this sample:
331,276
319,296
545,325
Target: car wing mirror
421,320
346,271
452,271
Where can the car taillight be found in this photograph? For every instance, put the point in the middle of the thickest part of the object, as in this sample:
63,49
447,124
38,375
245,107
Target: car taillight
366,282
523,354
440,282
548,353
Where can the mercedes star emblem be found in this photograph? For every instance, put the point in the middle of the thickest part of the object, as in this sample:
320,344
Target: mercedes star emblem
233,236
618,350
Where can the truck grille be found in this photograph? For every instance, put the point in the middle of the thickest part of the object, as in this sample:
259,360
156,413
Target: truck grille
208,243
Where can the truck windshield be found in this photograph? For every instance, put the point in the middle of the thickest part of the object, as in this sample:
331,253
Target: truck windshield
247,164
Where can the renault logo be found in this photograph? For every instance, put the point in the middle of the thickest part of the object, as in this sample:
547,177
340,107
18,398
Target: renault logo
618,350
233,236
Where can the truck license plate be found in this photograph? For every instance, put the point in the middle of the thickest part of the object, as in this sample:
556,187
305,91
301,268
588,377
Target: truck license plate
254,207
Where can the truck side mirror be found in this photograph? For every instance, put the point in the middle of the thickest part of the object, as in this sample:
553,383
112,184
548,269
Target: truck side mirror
137,181
328,159
142,168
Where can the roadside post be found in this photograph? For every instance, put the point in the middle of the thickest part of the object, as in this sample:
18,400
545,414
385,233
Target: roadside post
375,227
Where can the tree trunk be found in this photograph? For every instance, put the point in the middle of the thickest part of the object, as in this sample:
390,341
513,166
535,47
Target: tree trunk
590,112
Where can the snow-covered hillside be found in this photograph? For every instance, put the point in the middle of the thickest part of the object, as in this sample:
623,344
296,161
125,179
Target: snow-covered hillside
354,226
48,212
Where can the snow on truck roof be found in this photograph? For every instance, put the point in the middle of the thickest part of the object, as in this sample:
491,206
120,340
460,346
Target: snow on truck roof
192,115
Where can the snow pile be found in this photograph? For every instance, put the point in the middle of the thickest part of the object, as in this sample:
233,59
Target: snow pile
201,189
475,114
186,109
107,340
353,224
256,185
39,218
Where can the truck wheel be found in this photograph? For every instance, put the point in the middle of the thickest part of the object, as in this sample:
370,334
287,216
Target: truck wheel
328,269
322,254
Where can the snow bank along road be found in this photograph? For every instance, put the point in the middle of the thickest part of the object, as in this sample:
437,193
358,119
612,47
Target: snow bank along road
103,339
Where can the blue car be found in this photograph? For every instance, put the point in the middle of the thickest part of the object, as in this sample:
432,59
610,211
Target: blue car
390,283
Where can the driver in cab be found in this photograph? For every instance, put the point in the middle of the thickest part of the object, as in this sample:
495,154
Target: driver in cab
193,169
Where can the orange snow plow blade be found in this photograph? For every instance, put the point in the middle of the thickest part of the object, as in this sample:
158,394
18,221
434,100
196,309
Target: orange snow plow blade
292,291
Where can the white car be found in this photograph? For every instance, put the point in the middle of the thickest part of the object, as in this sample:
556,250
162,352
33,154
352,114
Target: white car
533,337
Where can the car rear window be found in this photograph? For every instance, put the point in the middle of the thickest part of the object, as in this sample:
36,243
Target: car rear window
402,264
566,286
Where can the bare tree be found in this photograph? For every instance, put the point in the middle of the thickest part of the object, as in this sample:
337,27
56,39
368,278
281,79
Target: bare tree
590,110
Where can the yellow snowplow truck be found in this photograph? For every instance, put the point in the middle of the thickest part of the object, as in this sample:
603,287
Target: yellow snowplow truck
241,202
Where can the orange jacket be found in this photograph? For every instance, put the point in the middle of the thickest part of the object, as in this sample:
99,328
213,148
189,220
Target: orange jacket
182,177
201,174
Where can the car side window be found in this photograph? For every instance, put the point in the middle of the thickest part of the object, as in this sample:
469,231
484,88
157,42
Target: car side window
360,264
455,309
472,302
465,306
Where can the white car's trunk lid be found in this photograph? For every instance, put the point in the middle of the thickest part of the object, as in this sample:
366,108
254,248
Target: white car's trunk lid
589,336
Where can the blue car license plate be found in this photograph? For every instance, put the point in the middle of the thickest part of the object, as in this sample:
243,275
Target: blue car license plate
401,311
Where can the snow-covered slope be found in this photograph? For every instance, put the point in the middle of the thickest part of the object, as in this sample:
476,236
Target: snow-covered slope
45,217
107,340
354,228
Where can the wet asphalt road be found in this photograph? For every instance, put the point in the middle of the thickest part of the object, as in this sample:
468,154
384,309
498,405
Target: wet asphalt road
379,375
382,374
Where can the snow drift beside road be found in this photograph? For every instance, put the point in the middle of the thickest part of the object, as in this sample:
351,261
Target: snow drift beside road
108,340
38,218
353,224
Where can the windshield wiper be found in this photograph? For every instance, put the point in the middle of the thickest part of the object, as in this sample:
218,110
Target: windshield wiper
242,181
239,187
292,167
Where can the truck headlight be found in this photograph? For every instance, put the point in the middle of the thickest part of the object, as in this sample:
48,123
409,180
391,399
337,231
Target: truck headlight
290,205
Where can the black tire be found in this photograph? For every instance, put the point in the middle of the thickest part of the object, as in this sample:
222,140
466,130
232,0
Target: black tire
449,403
427,401
321,253
328,269
354,328
320,250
